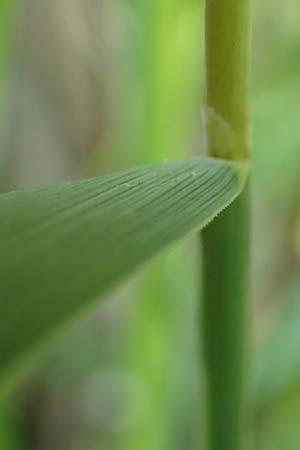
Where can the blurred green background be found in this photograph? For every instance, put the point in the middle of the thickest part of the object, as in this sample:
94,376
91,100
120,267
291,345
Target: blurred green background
91,86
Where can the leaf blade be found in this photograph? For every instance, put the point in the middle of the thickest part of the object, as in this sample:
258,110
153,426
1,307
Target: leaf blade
65,245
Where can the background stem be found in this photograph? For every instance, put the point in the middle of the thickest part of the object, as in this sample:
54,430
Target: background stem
226,241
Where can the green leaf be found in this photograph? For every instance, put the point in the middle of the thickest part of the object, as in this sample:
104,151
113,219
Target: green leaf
63,246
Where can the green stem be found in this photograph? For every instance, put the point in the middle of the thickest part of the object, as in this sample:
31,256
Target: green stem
225,286
228,30
226,241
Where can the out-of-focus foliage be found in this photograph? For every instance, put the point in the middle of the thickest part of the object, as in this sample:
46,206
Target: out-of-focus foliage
105,84
276,183
5,36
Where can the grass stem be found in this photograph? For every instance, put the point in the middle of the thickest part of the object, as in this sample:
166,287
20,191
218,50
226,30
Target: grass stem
227,35
225,242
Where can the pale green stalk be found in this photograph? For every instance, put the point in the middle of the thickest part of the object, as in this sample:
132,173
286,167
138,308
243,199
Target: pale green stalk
226,241
228,31
158,335
150,329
